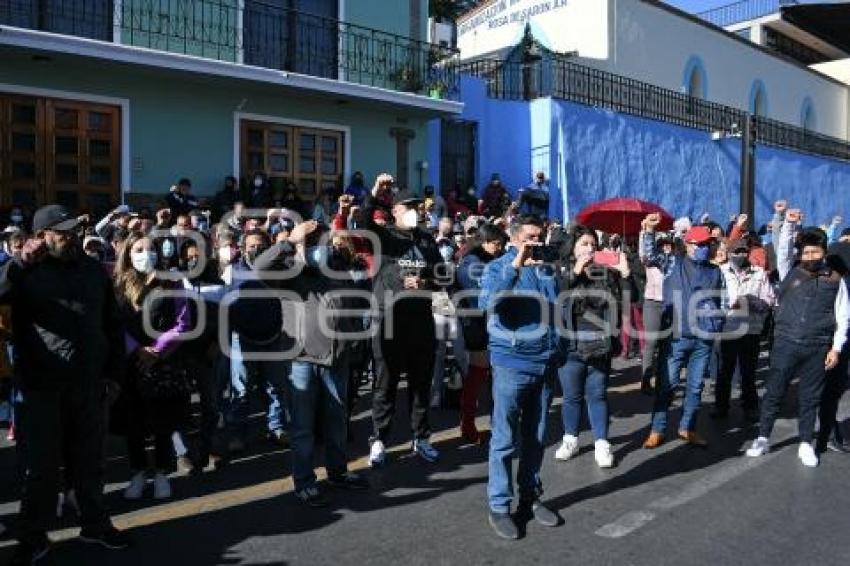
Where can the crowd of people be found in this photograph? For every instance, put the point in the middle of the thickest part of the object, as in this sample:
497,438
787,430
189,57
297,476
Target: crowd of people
114,325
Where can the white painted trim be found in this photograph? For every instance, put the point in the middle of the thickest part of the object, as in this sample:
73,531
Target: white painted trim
118,10
340,12
174,61
239,116
240,31
123,103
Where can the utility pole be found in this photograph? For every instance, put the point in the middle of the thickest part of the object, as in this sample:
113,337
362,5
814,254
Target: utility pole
748,169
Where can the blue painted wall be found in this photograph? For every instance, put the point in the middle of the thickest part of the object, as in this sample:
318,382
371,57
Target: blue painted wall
593,154
820,187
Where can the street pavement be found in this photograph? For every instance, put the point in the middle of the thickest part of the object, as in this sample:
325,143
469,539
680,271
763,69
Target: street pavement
676,505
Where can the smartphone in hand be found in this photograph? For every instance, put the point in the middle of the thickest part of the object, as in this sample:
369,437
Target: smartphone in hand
606,258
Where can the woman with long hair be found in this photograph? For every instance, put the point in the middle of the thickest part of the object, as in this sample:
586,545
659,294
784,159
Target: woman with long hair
155,399
595,293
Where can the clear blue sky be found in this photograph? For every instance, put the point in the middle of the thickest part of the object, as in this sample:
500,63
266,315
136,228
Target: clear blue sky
699,5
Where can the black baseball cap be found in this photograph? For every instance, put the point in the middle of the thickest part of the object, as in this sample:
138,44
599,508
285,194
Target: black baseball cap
407,198
54,217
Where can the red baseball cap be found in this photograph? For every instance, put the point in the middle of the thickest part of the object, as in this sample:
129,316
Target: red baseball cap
698,235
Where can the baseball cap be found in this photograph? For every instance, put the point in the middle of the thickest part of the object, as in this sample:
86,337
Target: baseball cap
407,198
53,217
698,235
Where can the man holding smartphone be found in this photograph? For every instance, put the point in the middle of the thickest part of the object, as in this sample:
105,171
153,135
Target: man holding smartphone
519,294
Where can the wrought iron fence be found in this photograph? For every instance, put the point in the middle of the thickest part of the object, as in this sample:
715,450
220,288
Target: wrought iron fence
556,76
252,32
743,11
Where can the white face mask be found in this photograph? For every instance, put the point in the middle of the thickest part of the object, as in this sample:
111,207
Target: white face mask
225,255
143,262
258,182
410,219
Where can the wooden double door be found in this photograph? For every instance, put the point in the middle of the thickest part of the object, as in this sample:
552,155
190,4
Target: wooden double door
59,151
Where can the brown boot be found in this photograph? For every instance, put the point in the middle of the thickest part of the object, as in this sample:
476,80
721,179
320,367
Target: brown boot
693,438
654,440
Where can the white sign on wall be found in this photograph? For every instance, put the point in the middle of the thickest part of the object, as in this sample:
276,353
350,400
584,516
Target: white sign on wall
559,25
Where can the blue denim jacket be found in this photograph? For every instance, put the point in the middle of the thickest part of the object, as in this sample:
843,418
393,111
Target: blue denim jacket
521,323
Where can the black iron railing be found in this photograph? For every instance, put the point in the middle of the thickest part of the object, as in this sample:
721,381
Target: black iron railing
743,11
251,32
558,77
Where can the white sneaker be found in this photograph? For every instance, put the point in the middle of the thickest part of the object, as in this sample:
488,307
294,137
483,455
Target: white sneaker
760,447
568,448
136,487
604,455
377,454
806,454
161,486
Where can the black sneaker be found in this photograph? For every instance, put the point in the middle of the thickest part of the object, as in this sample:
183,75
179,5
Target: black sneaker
503,525
280,438
350,481
30,552
311,496
540,512
109,537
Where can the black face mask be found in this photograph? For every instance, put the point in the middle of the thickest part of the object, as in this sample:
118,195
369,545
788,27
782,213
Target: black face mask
739,261
812,265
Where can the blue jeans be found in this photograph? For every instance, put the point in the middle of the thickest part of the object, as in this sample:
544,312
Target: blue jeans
520,404
312,386
694,354
272,374
582,381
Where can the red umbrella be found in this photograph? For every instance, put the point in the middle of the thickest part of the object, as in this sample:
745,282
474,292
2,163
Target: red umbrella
622,216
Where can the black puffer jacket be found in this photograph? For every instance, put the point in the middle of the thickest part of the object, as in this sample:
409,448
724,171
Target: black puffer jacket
65,323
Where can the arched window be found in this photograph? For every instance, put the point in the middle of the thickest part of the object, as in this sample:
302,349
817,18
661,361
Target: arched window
758,99
808,117
695,81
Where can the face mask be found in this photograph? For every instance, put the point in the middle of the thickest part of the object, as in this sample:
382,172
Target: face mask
447,252
739,261
316,256
143,262
167,248
702,253
258,183
191,264
812,265
17,218
410,219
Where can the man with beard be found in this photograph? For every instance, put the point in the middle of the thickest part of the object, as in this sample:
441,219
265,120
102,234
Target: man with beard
69,354
810,332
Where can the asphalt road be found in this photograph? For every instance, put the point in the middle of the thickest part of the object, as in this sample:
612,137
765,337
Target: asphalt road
675,505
